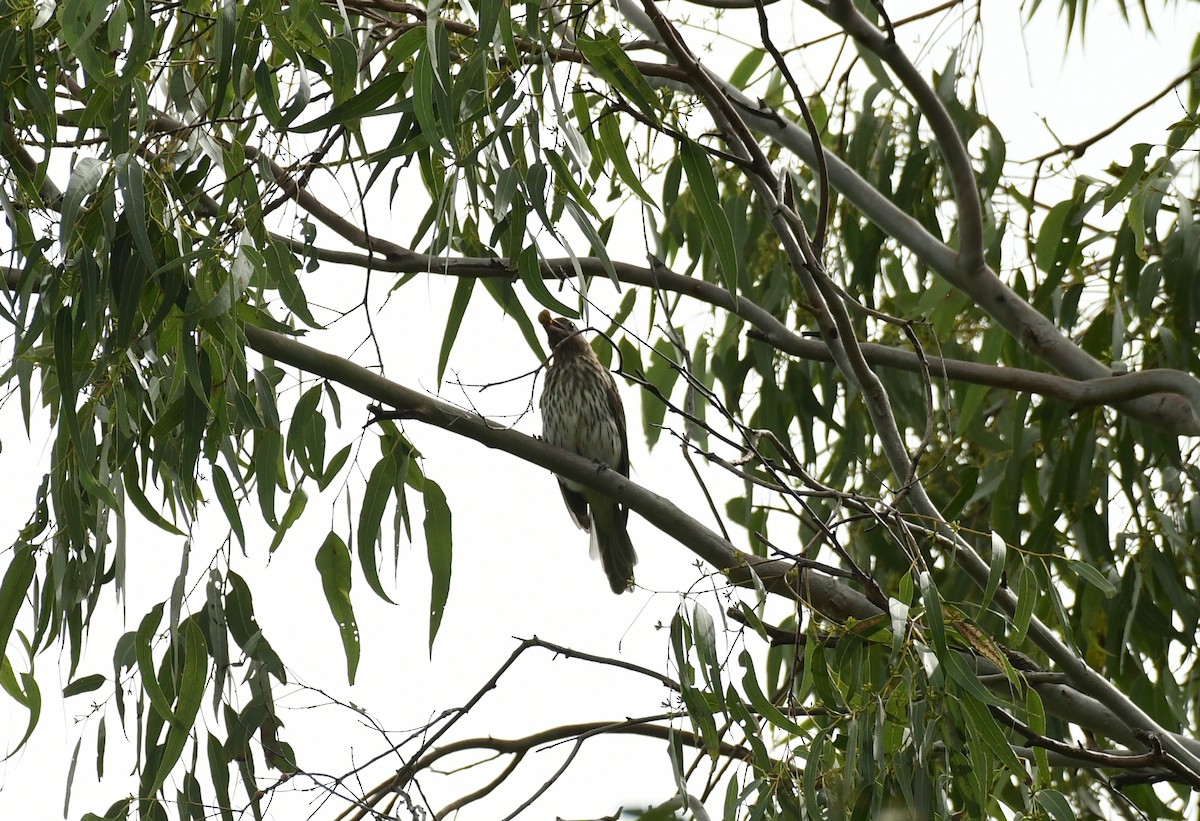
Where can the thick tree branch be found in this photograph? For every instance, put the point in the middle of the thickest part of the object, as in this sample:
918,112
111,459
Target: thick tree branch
949,141
1107,390
876,399
831,598
1166,398
1031,329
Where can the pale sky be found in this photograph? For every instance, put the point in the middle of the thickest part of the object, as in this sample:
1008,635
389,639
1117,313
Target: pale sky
521,568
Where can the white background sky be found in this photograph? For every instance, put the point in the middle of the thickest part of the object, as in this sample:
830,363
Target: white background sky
520,567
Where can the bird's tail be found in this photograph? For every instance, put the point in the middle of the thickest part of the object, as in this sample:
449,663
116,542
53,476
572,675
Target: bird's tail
616,551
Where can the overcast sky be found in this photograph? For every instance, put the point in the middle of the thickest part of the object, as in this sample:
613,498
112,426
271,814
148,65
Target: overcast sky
520,567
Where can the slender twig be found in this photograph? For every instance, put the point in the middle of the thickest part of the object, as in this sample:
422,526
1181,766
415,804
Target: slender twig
1077,149
568,652
818,149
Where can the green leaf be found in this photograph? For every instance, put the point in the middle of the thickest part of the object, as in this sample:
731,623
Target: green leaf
759,700
439,544
662,374
1093,577
981,725
703,184
701,714
282,266
239,616
85,178
228,502
343,60
8,681
268,100
367,102
189,688
566,177
131,179
32,700
134,493
933,613
227,35
86,684
266,404
334,466
266,452
1193,102
608,58
745,69
530,272
706,648
333,563
957,669
594,238
424,79
146,667
71,778
295,510
502,291
64,365
490,12
458,307
1036,718
995,570
1027,595
1052,237
306,432
1056,804
1131,177
614,146
17,579
370,515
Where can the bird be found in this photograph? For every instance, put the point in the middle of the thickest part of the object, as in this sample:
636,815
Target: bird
582,413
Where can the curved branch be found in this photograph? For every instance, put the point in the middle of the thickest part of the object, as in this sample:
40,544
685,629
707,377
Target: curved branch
949,141
567,652
1110,391
875,397
831,598
1035,333
733,4
1159,384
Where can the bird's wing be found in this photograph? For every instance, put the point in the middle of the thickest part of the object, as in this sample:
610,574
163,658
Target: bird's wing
618,412
577,506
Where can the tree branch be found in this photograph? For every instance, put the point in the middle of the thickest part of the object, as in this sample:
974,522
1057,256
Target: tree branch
1115,391
1035,333
949,141
831,598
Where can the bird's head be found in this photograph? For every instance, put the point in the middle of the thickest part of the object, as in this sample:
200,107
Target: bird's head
559,329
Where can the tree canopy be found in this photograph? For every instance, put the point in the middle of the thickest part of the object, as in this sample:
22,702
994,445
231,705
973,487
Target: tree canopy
934,406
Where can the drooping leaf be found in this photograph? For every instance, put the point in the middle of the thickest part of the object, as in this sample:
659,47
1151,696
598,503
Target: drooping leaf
14,587
458,307
370,517
703,185
605,55
333,563
439,544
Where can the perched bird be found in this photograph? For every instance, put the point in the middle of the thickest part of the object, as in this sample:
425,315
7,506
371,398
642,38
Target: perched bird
582,412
